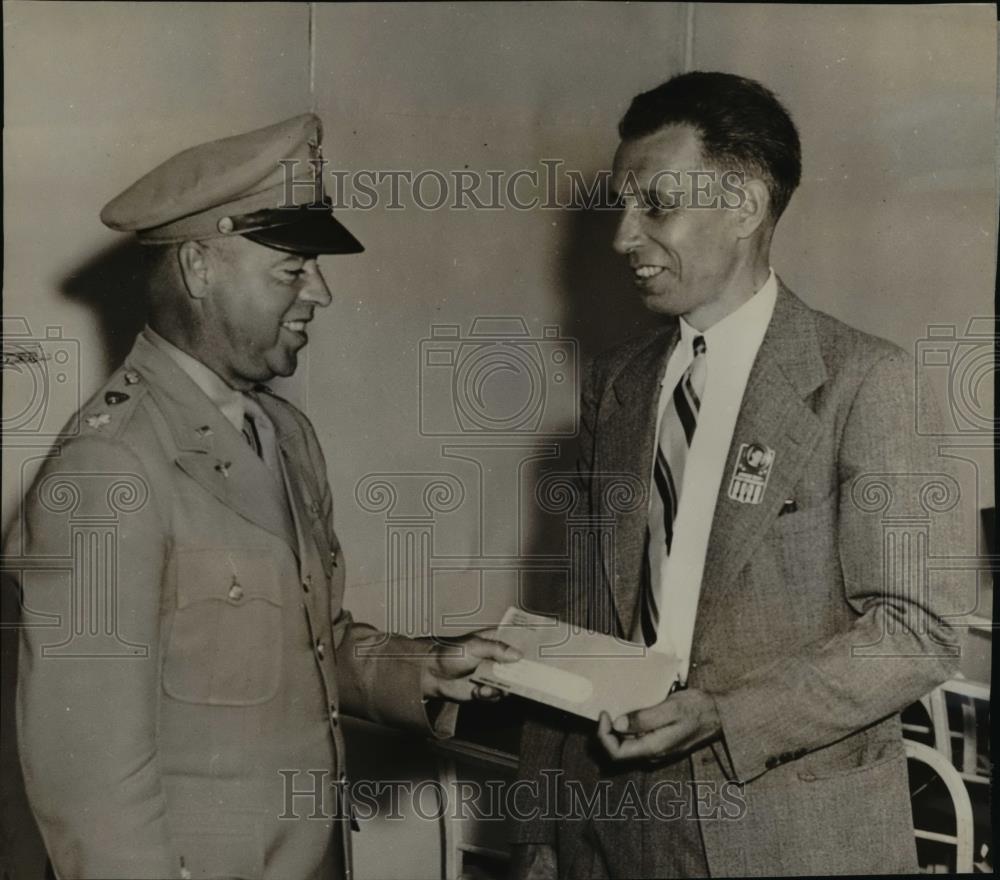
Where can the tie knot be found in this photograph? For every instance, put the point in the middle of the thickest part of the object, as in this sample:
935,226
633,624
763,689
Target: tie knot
698,343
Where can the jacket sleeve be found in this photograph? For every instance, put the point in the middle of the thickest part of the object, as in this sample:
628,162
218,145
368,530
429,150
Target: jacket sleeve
91,548
543,734
379,678
900,644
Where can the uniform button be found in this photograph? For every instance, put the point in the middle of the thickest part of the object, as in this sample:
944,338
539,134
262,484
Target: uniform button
320,649
236,592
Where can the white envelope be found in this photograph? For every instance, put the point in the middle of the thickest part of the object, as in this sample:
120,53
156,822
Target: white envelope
577,670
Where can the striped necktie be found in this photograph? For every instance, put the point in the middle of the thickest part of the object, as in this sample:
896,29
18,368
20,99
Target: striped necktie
677,427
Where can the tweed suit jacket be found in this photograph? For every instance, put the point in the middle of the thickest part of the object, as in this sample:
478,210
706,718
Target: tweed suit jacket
186,677
810,657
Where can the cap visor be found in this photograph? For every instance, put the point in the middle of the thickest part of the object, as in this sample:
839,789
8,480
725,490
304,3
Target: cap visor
311,232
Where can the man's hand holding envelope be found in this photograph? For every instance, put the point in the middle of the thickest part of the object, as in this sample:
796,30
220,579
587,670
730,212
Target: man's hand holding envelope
602,678
683,721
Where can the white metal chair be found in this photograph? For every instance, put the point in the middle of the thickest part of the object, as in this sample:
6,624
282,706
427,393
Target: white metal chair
972,766
946,772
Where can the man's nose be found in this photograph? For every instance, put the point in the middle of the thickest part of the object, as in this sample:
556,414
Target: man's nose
627,234
315,290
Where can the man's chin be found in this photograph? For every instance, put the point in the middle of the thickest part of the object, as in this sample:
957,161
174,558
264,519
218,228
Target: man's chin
660,303
287,368
283,365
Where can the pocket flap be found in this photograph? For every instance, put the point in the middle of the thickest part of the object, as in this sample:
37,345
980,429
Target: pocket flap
235,575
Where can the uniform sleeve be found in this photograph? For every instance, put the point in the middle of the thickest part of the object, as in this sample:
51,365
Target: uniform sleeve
379,678
803,702
91,547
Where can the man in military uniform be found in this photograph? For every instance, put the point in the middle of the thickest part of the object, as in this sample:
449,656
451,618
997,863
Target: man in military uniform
164,748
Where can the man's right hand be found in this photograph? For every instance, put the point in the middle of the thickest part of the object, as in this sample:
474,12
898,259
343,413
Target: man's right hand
532,861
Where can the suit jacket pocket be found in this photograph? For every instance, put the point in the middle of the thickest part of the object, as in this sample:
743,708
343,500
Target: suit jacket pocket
851,755
219,845
225,644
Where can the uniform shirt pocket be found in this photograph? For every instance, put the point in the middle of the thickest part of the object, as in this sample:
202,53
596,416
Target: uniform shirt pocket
225,644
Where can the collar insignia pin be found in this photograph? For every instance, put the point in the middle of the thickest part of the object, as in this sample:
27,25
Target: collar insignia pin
99,420
223,467
131,377
751,473
113,398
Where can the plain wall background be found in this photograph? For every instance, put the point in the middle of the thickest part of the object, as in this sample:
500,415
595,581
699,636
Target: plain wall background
893,228
484,87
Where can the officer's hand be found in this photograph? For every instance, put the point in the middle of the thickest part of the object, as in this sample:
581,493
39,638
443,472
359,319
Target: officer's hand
448,667
532,861
684,720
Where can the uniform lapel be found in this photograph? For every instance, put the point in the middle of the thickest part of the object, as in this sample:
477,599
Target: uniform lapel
209,449
774,414
625,447
302,490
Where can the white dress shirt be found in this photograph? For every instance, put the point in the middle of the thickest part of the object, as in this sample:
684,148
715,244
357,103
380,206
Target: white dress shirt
731,347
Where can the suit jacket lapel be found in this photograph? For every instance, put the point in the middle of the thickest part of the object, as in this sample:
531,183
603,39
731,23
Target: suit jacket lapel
209,449
625,447
774,414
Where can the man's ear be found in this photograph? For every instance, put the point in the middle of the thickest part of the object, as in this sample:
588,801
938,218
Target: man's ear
196,269
754,208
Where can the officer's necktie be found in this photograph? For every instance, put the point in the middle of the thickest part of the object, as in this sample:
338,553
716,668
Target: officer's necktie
259,432
677,427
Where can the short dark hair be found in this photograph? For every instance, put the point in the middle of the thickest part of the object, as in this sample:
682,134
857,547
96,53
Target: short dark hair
742,125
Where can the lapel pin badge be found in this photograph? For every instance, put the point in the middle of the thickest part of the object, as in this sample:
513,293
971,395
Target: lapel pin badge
98,421
223,467
751,473
131,377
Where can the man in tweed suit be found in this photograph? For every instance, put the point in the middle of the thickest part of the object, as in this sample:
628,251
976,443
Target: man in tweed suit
180,692
763,430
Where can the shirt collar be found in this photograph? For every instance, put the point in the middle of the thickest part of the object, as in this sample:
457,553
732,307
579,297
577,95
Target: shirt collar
225,397
741,332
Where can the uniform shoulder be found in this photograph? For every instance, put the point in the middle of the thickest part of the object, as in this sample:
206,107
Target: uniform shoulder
109,413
